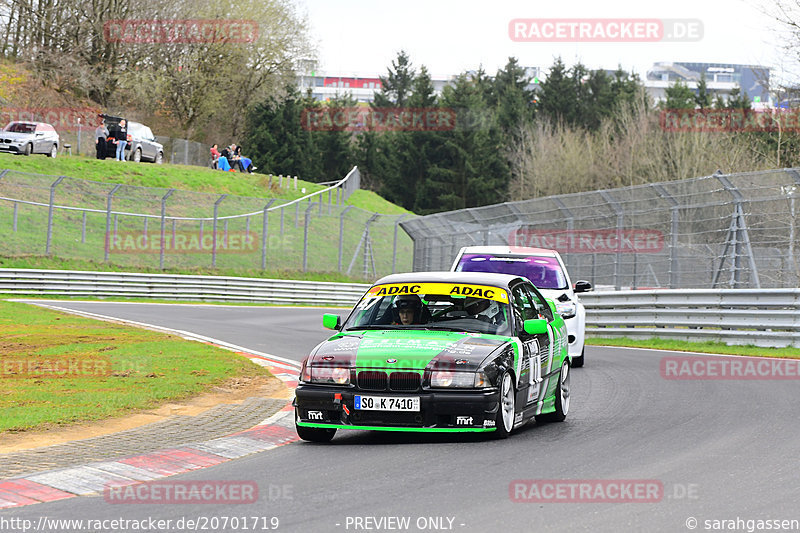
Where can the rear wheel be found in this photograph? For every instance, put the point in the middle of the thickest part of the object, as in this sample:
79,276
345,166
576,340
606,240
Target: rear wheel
159,158
315,434
504,420
562,397
137,156
53,151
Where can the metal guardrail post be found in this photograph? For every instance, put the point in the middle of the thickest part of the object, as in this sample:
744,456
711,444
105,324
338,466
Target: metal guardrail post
306,220
394,246
50,213
214,234
264,230
108,221
164,228
341,233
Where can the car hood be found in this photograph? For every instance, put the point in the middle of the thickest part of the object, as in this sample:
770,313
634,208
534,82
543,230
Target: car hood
407,350
15,136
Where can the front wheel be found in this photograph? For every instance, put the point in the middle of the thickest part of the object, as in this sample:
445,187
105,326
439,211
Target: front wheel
28,149
504,420
315,434
562,397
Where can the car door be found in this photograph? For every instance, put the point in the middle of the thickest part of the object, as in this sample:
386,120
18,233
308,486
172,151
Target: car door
148,148
533,346
549,358
39,139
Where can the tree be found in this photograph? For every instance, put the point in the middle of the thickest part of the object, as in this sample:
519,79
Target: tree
556,98
679,96
510,97
703,97
396,86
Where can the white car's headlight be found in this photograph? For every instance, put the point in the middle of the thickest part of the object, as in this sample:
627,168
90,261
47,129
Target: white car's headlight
461,380
566,309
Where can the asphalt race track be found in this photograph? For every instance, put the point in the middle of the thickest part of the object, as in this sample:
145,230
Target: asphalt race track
722,450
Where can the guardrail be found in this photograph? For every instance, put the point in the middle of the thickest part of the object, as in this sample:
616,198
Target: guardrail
27,282
761,317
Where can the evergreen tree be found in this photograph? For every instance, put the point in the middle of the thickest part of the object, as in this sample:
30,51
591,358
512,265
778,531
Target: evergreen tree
736,100
557,99
679,96
703,97
397,85
512,100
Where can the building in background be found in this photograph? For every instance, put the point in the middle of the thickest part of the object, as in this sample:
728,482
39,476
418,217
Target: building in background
721,79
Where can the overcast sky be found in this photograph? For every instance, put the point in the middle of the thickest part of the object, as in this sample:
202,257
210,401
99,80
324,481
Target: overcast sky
450,36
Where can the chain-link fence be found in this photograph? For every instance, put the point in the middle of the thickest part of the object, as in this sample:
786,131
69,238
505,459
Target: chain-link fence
726,231
168,228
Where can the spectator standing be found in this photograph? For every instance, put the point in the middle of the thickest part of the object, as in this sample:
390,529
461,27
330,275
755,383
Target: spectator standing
100,135
122,139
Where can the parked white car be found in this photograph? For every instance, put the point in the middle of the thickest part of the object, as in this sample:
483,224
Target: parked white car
29,138
546,270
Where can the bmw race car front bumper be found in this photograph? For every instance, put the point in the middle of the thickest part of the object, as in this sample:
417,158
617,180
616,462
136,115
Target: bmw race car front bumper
323,406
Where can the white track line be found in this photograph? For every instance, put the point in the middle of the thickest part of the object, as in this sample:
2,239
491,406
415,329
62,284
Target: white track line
287,363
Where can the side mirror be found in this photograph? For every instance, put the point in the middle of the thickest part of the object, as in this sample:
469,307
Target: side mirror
331,321
535,326
583,286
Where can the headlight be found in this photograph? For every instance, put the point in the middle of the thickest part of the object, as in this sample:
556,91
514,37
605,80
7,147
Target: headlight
463,380
335,375
566,309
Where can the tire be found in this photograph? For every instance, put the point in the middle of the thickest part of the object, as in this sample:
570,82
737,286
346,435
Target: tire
28,149
315,434
137,156
159,158
53,151
577,362
562,397
504,420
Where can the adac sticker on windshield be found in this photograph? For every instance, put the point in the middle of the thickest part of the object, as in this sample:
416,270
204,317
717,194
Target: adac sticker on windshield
451,289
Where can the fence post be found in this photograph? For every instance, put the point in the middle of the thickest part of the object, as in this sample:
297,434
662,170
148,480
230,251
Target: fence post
16,207
620,221
570,225
295,183
164,228
264,229
341,233
50,214
83,228
297,214
214,234
144,231
673,251
281,221
306,221
394,247
108,220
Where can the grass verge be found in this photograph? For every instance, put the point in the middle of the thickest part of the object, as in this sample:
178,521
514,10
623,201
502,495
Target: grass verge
699,347
58,369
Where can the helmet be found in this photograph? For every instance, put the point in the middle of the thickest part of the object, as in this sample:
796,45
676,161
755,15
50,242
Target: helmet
474,306
408,301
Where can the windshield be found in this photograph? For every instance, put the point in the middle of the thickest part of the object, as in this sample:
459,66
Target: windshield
544,272
433,306
20,127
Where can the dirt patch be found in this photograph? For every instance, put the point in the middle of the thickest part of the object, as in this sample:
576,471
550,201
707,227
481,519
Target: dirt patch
234,391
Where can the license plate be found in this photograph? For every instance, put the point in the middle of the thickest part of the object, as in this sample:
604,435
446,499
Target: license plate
386,403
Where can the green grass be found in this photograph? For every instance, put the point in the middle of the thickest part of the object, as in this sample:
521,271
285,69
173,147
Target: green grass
114,369
700,347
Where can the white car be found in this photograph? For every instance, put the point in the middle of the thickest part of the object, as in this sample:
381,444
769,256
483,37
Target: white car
547,272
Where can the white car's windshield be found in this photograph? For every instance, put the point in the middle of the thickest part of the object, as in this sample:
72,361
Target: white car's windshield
438,309
544,272
20,127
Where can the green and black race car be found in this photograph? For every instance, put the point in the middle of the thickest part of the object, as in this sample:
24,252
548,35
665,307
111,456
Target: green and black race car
438,352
